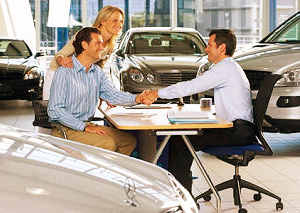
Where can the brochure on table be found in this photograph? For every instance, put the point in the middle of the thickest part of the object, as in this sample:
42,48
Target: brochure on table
190,117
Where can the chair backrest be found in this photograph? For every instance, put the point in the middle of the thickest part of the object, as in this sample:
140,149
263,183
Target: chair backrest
261,102
156,42
260,147
41,117
12,50
141,43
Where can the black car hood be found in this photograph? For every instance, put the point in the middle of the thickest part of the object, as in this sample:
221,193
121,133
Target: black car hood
12,65
268,57
156,63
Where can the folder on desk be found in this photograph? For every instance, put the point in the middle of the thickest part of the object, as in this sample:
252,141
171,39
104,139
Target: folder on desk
190,117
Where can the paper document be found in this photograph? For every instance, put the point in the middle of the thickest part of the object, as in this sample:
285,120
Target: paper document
135,114
148,107
188,114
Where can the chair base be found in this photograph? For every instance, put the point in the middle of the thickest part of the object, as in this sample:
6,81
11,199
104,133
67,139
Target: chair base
237,184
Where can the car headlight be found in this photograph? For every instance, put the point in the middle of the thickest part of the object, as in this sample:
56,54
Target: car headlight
185,202
289,79
203,68
150,78
32,74
136,75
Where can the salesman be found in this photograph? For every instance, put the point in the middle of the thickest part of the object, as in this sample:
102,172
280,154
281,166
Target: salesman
233,102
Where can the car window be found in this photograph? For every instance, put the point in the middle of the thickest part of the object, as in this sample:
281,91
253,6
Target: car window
122,41
291,34
14,48
185,43
288,33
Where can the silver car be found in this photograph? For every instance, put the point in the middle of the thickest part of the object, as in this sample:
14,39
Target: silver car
278,53
40,173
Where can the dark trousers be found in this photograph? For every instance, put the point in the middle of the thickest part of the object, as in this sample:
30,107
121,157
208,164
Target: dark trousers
180,159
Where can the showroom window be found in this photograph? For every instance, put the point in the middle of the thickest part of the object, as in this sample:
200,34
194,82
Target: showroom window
243,16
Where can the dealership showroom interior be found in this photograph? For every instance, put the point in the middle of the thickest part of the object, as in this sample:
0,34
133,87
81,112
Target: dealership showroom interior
63,149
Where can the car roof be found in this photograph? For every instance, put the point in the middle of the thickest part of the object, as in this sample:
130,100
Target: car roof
168,29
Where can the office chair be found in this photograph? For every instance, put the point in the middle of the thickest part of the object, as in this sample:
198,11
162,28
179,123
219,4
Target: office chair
242,155
41,118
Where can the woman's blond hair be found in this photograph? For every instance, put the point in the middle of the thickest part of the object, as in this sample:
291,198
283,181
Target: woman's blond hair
103,15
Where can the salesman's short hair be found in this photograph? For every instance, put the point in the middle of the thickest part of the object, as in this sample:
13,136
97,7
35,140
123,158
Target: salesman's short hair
225,36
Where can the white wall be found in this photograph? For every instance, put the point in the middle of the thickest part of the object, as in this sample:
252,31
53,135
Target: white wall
16,20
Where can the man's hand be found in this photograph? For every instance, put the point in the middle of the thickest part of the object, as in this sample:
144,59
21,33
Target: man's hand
147,97
65,61
95,129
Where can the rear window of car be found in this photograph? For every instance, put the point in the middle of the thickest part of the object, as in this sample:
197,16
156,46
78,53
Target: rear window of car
185,43
14,48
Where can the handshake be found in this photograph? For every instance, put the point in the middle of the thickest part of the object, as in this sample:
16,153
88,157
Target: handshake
147,97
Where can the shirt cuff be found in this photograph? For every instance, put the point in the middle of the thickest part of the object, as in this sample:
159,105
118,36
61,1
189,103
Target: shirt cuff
82,126
160,93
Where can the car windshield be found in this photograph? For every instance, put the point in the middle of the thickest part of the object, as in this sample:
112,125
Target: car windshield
14,49
287,33
147,43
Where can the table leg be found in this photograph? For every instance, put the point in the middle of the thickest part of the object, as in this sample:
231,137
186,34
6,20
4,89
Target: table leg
147,145
203,171
161,149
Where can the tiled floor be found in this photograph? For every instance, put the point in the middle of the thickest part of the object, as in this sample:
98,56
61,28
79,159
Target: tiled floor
279,173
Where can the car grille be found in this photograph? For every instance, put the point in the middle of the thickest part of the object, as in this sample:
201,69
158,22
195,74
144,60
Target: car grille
255,78
11,76
172,78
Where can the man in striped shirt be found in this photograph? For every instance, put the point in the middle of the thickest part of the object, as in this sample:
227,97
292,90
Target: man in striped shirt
75,92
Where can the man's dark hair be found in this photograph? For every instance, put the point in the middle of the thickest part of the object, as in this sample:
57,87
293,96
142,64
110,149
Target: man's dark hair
84,35
225,36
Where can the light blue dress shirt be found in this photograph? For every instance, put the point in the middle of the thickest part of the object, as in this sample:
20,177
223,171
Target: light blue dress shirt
232,93
74,94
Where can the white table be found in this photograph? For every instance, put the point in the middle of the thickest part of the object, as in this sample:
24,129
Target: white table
151,122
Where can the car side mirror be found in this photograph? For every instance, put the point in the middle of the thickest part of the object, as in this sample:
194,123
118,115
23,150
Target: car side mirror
39,54
120,53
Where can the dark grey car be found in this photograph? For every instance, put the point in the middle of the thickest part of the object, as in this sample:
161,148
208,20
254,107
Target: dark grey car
20,75
155,57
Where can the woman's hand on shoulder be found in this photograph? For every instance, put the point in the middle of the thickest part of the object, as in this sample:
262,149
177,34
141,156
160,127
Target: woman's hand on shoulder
65,61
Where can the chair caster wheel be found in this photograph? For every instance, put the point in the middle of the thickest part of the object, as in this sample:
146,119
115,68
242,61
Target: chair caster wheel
257,197
279,205
207,198
242,210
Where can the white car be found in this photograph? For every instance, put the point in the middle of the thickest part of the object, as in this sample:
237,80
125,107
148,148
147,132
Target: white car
41,173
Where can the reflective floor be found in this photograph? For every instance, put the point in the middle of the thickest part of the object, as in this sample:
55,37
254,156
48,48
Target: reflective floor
279,173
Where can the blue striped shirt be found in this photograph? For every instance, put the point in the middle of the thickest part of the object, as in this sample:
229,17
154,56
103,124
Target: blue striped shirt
74,94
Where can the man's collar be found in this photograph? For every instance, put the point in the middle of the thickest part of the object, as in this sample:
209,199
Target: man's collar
79,67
